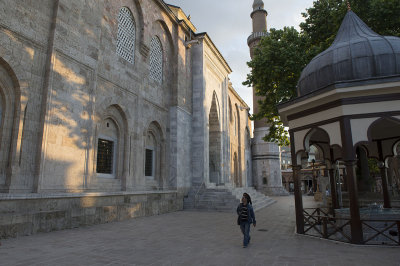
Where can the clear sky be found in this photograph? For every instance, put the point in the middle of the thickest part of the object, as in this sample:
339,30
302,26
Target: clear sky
228,24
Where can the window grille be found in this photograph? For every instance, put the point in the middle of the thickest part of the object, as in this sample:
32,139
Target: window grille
126,35
156,60
105,154
149,163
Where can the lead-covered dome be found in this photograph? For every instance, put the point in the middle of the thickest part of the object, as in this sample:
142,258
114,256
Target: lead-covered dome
357,54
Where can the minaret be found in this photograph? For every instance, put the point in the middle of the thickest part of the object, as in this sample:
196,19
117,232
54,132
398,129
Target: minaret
267,175
259,17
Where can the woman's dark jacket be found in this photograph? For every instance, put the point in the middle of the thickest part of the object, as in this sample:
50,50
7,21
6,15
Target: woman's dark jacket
250,213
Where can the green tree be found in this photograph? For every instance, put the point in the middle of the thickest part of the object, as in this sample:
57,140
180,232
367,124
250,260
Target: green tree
276,66
281,56
322,21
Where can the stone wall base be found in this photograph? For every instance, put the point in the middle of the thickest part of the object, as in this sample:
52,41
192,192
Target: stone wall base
27,214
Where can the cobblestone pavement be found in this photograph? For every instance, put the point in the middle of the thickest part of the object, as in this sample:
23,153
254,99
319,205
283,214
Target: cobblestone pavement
191,238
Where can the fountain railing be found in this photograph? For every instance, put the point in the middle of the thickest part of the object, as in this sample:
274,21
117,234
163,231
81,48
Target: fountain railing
319,222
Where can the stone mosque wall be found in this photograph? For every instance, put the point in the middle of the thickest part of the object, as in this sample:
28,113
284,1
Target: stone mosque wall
110,110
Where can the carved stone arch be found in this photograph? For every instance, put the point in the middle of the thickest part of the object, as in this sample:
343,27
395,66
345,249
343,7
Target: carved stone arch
336,152
324,149
374,124
239,141
301,158
168,35
163,33
156,127
154,156
384,132
10,120
112,131
306,140
315,135
396,148
112,102
170,78
214,141
126,39
369,147
215,98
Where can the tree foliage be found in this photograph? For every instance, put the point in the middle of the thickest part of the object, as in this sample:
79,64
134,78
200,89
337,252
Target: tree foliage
276,66
277,63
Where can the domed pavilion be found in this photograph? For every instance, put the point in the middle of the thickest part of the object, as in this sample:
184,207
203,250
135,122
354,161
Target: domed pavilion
348,106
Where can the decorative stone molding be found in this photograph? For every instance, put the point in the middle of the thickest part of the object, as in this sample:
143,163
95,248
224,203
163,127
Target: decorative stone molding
256,36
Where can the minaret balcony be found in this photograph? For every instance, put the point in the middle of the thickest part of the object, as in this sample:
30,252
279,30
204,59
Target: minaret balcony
255,36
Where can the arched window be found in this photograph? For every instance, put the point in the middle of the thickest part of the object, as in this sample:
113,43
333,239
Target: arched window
151,149
9,120
154,157
156,60
111,148
126,35
107,148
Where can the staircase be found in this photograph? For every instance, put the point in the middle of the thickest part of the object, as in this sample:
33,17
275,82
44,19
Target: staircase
223,199
258,199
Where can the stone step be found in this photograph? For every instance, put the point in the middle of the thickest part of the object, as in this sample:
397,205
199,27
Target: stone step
223,199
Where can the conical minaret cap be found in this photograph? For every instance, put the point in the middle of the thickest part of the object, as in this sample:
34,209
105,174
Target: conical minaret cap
258,4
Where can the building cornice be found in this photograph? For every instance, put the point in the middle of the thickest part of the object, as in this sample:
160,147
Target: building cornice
242,102
259,10
214,49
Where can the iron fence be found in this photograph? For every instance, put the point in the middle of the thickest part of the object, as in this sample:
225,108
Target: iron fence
319,222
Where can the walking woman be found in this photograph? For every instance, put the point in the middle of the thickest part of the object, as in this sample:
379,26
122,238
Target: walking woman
246,217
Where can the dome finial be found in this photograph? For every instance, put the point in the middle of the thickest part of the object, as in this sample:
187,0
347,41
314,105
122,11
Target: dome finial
258,5
348,6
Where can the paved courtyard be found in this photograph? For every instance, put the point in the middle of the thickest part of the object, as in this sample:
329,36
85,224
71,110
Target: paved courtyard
191,238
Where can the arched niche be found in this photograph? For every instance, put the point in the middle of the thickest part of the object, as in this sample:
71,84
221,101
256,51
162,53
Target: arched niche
239,143
248,157
154,156
236,178
384,133
10,95
319,138
214,141
111,145
161,31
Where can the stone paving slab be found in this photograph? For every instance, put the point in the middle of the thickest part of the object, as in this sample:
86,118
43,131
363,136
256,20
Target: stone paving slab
191,238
